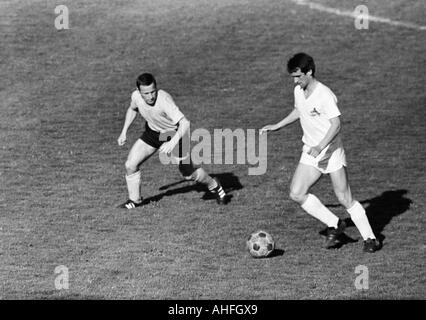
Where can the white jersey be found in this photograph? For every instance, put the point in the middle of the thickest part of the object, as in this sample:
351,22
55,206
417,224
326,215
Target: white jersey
315,113
161,117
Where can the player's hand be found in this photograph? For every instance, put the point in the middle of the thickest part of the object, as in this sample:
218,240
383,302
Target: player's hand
167,147
121,139
269,127
314,151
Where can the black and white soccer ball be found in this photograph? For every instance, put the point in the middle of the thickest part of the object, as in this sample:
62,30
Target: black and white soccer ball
260,244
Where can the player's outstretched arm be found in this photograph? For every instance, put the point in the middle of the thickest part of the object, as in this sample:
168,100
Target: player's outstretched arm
130,116
293,116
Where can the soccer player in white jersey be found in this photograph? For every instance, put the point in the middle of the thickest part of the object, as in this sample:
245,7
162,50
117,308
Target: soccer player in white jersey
163,118
316,108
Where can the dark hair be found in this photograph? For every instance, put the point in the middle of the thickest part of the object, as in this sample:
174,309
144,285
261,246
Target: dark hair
145,79
301,61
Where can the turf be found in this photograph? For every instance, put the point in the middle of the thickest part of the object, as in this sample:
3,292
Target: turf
63,98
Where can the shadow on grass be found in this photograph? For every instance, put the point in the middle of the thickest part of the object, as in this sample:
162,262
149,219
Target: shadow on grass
229,182
381,209
343,239
276,253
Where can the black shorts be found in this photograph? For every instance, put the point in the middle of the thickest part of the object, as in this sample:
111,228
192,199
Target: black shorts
152,138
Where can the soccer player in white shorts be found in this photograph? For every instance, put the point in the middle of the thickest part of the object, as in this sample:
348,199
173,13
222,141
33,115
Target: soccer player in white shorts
163,118
316,108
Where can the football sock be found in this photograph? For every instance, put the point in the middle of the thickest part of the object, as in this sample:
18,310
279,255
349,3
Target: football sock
133,186
360,220
315,208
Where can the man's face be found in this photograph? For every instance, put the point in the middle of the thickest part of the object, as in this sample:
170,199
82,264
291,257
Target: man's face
301,78
149,93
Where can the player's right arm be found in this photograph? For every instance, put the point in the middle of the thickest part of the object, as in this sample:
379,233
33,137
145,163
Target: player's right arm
292,116
131,114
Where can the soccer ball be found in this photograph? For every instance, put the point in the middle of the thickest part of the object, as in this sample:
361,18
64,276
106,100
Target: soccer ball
260,244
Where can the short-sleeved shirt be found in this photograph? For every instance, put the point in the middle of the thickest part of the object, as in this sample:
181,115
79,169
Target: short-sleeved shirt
315,112
161,117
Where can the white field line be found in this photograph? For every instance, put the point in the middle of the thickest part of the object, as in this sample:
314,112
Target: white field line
353,14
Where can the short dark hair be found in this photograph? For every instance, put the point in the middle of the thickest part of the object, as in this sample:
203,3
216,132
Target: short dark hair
145,79
301,61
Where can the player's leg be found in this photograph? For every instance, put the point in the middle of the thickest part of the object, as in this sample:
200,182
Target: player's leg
190,172
304,177
356,211
138,154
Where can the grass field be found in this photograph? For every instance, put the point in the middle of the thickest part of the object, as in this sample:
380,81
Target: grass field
63,96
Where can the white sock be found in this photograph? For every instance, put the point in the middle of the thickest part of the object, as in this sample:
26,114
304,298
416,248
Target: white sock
315,208
360,220
134,185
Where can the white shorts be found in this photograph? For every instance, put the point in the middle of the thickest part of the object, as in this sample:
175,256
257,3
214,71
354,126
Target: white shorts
329,160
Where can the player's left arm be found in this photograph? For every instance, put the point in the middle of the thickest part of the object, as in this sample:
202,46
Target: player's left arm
183,127
330,135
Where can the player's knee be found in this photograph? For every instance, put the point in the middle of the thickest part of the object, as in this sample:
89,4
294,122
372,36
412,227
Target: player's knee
296,196
130,167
